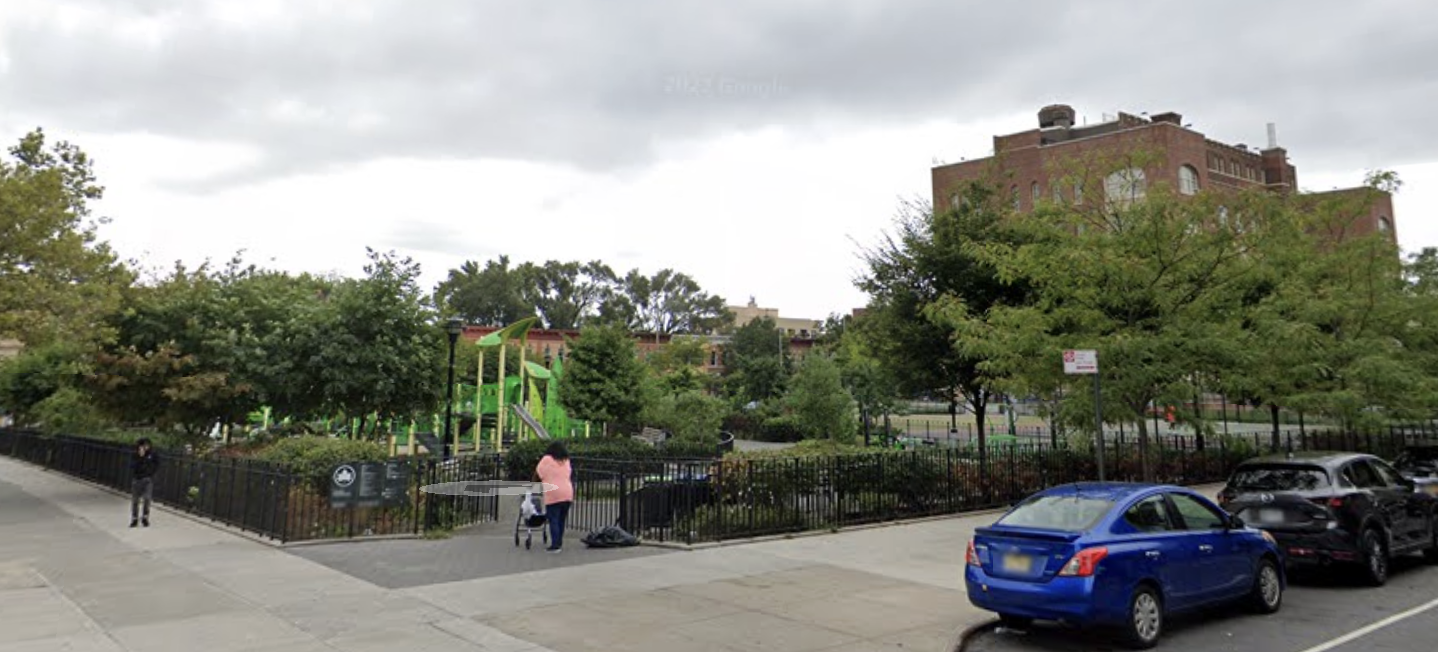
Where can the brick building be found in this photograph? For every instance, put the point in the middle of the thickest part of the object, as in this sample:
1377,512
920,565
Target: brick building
1064,161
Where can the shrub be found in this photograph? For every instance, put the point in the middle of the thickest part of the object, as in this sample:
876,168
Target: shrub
315,457
521,458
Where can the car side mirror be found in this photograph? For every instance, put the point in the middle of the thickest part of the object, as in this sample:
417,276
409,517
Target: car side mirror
1236,523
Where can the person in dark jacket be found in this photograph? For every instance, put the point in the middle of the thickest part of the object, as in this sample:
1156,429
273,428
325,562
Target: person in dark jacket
143,465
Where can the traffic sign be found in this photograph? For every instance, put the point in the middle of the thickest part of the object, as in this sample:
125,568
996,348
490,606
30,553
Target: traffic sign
1080,361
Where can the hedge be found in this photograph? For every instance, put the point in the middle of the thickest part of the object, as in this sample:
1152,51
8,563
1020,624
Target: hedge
521,458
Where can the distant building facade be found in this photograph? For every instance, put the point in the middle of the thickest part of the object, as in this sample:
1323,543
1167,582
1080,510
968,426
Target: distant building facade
1038,165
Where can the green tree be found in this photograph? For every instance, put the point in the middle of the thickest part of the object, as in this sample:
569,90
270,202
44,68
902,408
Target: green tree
666,303
490,296
756,362
604,379
933,284
818,402
566,295
57,280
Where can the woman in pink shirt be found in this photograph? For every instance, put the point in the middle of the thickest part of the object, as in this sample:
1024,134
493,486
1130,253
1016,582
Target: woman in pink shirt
554,470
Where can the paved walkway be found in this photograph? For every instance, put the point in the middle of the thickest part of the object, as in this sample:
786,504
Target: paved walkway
74,577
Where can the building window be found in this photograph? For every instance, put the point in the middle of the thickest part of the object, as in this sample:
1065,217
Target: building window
1223,216
1015,192
1058,194
1078,192
1384,226
713,358
1125,187
1034,189
1187,180
954,201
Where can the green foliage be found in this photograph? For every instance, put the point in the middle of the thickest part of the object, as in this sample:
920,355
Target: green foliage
521,458
56,279
757,362
603,378
820,405
69,411
315,457
37,374
691,415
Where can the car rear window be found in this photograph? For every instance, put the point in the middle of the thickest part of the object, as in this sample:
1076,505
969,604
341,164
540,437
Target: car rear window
1066,513
1280,478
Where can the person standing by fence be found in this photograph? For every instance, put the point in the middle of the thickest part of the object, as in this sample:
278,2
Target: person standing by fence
143,465
554,469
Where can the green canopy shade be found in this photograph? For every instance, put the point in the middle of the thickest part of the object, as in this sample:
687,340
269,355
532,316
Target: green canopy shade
537,370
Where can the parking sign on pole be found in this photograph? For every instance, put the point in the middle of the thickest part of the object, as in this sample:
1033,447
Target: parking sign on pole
1085,362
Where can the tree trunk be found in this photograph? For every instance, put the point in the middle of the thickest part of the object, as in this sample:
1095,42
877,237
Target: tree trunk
979,401
1143,447
1273,411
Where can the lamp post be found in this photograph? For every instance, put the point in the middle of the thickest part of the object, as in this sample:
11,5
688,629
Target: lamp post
454,327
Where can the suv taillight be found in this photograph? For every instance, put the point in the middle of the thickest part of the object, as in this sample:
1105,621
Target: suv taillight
1333,502
1084,563
972,557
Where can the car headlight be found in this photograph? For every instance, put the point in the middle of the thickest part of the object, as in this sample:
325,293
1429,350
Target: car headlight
1268,537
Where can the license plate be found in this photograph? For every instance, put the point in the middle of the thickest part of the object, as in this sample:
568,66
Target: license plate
1270,516
1015,563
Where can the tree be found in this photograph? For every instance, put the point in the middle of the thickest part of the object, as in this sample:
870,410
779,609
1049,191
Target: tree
666,303
821,407
603,377
1155,286
566,295
375,346
756,362
56,279
492,296
932,280
677,366
867,379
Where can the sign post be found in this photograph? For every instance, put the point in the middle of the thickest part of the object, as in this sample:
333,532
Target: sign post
1081,362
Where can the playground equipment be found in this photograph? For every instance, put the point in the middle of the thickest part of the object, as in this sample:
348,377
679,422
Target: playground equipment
488,406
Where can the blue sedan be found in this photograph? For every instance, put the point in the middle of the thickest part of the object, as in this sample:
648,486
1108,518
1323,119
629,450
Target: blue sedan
1119,554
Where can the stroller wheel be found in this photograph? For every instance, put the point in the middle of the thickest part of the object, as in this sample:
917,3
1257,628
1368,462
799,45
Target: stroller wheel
528,541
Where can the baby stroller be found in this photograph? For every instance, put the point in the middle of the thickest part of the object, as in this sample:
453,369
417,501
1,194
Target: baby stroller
531,516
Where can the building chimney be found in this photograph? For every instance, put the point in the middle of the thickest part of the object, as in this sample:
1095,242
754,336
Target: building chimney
1272,136
1169,117
1056,115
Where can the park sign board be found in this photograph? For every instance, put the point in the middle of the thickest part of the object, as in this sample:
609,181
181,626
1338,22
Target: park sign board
369,484
1080,361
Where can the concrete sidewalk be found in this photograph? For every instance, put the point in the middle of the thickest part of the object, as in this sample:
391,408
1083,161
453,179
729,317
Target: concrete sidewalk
74,576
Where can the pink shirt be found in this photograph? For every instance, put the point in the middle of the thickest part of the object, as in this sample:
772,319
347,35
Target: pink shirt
557,474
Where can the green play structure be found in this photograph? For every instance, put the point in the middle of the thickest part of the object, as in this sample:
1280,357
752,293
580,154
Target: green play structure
485,418
522,410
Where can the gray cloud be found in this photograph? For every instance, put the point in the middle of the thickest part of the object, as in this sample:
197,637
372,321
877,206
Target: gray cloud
597,84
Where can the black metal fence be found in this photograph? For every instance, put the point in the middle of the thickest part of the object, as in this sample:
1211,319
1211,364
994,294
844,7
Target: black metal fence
711,500
265,498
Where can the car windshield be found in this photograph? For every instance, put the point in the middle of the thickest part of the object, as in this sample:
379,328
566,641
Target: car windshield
1069,513
1279,478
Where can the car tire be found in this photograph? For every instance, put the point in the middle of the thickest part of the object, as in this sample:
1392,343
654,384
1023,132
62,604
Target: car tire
1010,621
1145,619
1375,558
1267,596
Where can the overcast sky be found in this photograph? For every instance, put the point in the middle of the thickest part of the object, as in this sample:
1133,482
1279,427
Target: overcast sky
748,143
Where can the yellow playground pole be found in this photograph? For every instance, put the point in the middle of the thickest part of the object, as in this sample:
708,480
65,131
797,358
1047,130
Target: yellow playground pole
499,418
409,439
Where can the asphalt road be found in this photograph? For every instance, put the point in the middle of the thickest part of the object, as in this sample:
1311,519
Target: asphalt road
1322,612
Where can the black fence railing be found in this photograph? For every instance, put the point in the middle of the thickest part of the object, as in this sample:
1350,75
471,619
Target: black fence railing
268,499
713,500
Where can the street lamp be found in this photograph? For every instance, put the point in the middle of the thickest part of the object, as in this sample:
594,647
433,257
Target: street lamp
454,327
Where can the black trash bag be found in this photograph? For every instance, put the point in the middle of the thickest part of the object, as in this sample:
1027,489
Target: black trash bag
611,536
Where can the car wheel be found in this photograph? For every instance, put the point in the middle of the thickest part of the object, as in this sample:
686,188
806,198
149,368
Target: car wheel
1267,594
1375,558
1145,619
1010,621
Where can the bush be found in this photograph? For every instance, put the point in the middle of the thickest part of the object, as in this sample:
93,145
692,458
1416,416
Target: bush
315,457
521,458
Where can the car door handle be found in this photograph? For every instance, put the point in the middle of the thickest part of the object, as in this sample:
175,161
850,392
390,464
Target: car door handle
1153,554
1205,548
